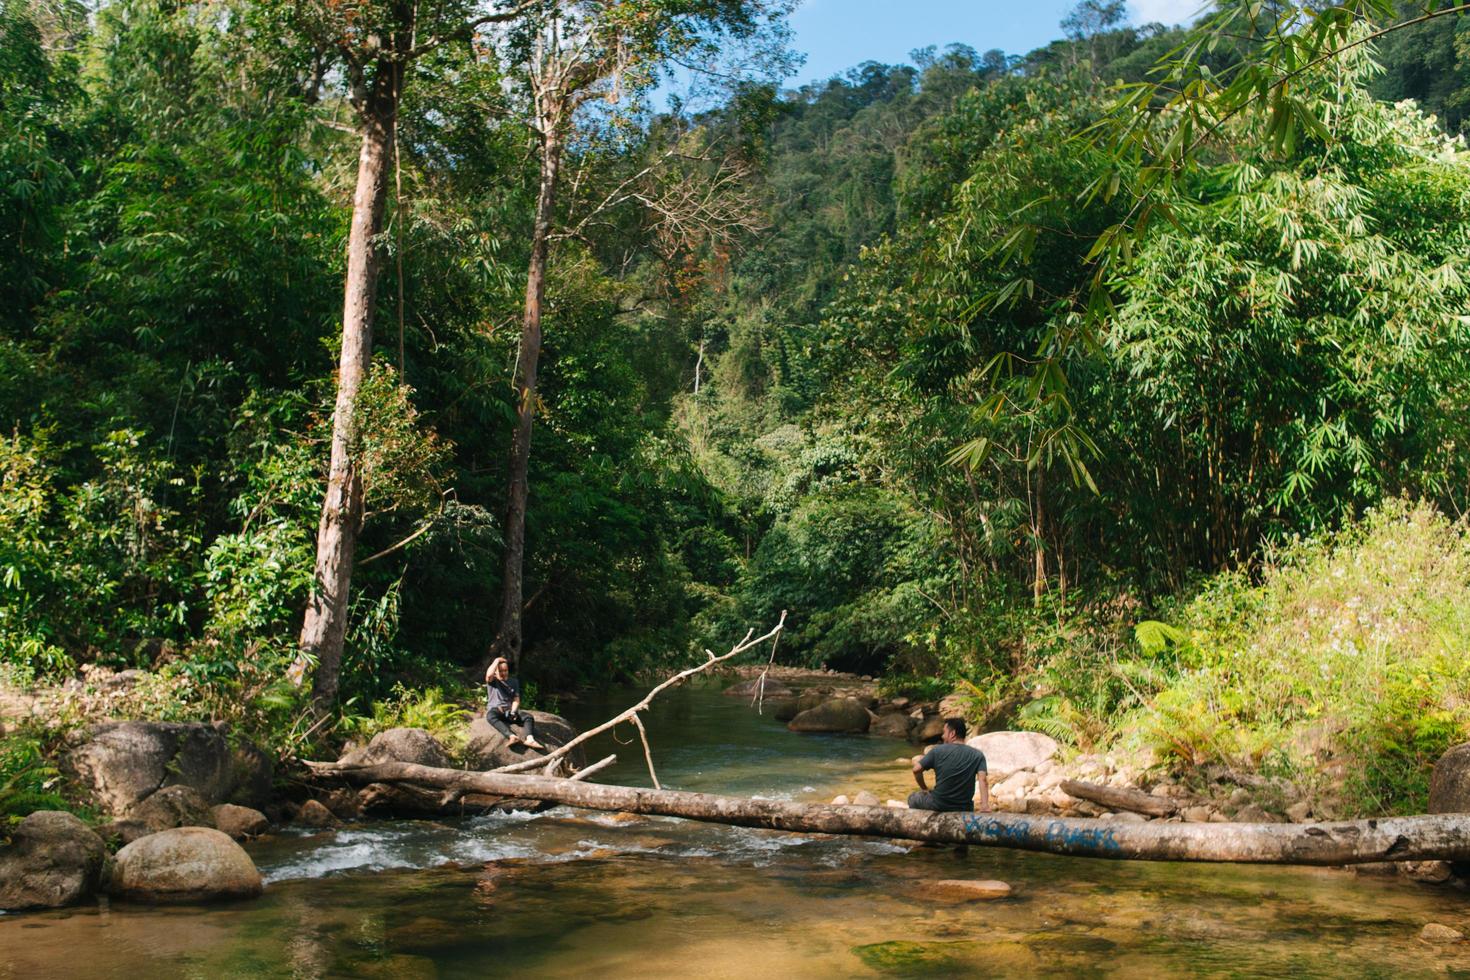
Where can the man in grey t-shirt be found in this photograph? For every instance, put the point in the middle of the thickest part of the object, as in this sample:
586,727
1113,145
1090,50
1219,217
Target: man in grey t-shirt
960,780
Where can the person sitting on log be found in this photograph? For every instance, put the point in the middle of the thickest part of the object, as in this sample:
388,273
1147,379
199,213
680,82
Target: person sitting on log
957,767
504,707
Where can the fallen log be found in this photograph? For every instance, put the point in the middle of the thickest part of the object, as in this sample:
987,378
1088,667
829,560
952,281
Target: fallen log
1120,799
1421,838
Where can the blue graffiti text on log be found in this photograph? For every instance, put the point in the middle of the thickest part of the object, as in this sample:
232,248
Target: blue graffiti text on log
1057,833
1079,838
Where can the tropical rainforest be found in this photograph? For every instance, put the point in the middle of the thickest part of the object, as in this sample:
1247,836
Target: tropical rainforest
937,357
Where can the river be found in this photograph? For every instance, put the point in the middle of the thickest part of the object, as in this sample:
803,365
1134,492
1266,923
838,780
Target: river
577,894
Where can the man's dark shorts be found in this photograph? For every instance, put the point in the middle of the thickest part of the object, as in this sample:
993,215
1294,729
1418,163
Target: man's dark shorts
923,799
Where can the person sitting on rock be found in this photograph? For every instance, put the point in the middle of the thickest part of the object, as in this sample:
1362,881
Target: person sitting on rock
505,705
957,767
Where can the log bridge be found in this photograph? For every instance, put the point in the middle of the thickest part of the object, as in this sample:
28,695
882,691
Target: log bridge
1416,838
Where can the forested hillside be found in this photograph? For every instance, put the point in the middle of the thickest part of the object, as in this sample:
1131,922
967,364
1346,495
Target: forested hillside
820,350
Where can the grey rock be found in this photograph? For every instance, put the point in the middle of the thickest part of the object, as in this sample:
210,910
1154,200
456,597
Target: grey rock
53,859
187,864
254,776
488,749
400,745
892,725
172,806
1449,784
837,715
864,798
1009,751
125,762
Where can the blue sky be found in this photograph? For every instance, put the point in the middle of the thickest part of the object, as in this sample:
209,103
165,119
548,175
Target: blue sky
838,34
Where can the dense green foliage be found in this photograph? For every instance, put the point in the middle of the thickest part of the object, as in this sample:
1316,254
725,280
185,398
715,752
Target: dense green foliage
840,415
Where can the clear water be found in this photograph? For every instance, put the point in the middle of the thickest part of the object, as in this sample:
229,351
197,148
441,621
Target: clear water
575,894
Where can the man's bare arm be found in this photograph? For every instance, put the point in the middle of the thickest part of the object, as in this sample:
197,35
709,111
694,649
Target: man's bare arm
982,791
919,775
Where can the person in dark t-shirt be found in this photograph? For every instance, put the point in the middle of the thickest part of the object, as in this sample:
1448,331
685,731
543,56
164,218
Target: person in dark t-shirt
504,705
960,779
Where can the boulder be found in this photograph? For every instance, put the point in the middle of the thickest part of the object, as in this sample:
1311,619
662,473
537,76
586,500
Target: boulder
314,813
125,762
785,709
1449,784
837,715
968,891
840,800
239,822
170,807
187,864
1005,752
53,859
254,773
864,798
747,689
892,725
928,729
488,749
400,745
343,802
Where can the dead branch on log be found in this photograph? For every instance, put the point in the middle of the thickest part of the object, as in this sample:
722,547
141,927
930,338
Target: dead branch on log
735,651
760,687
1121,799
587,771
647,752
1444,836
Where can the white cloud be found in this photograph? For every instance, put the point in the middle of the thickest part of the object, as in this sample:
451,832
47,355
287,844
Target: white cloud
1166,11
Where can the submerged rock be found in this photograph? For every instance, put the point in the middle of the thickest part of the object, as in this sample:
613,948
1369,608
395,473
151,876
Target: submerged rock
188,864
53,859
837,715
966,890
1434,932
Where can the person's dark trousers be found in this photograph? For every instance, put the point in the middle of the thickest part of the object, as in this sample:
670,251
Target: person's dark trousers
501,720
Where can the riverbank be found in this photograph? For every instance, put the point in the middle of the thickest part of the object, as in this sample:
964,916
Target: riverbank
569,892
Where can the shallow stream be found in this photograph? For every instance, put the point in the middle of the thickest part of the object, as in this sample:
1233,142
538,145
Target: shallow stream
575,894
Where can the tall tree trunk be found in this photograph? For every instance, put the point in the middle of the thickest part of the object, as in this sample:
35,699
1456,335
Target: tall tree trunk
325,626
507,641
1038,536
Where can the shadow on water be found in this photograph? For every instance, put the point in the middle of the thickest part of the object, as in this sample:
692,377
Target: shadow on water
575,894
